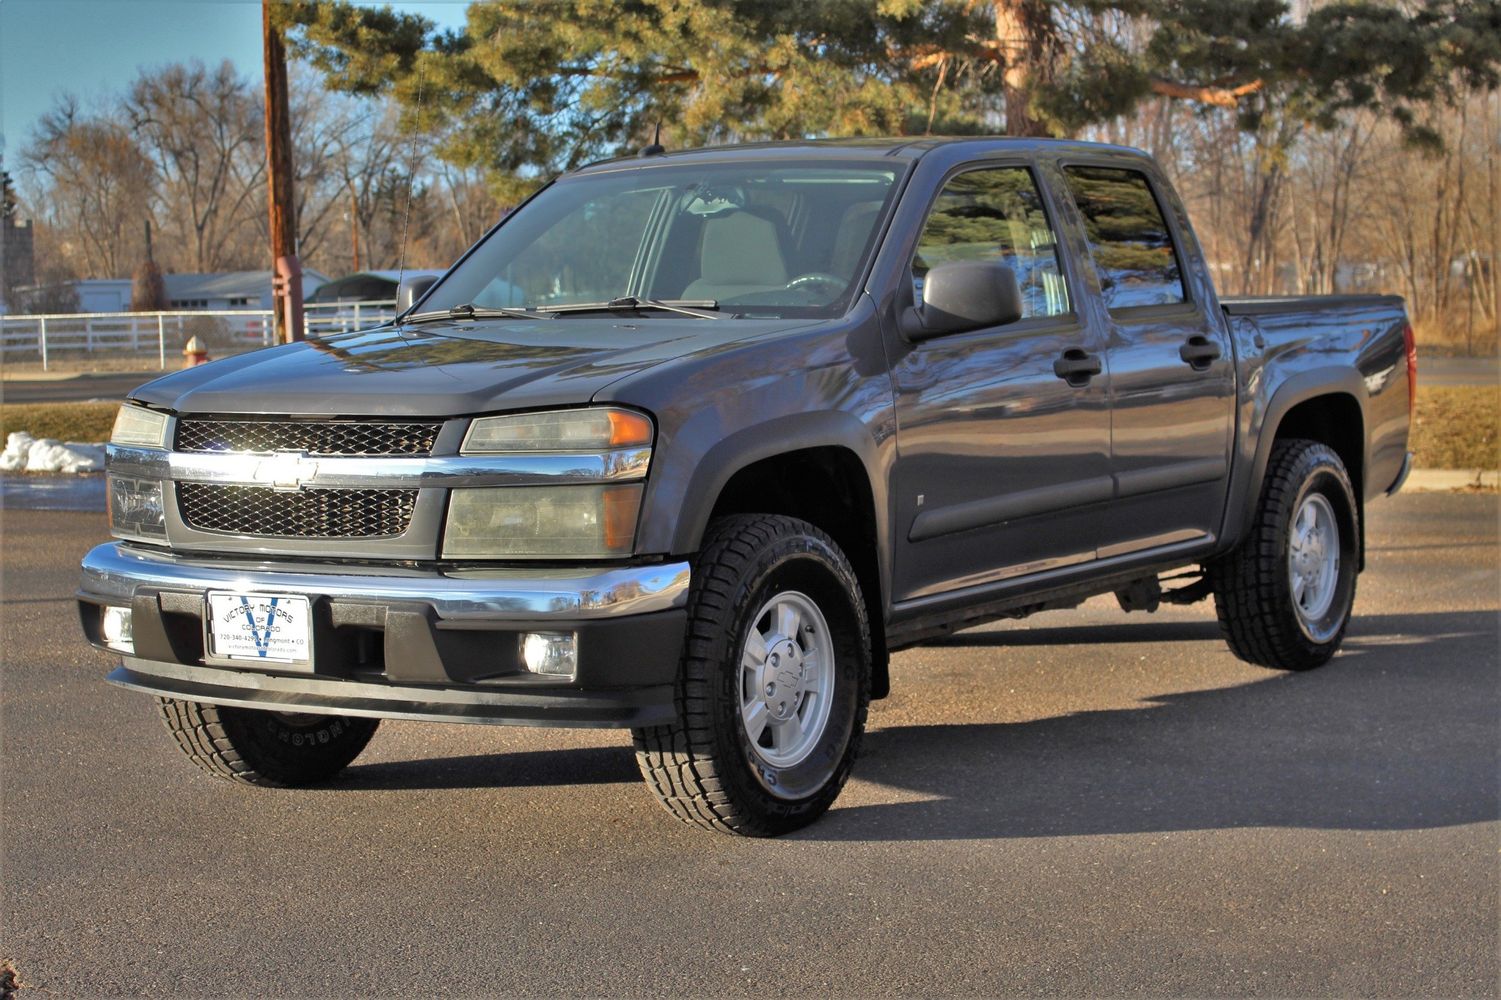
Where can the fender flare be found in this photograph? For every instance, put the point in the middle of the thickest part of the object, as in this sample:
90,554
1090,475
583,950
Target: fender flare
768,439
1245,489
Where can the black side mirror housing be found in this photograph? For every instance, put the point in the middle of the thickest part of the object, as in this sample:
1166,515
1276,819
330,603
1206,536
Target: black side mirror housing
412,289
964,295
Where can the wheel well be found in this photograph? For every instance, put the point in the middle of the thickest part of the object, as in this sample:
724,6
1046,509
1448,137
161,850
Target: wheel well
1334,420
828,488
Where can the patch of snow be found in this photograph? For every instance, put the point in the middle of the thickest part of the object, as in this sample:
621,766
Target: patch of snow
17,446
24,453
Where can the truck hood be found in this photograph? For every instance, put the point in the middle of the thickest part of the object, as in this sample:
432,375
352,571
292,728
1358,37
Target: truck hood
448,368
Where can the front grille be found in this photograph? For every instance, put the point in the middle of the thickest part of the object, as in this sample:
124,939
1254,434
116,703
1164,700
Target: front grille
315,437
309,513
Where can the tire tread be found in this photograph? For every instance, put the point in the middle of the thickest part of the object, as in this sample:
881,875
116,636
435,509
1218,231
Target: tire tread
217,739
677,760
1248,582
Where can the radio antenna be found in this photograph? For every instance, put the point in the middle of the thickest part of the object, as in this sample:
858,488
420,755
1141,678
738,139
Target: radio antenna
655,149
406,220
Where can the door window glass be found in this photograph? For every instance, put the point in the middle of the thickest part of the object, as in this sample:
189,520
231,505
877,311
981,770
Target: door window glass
996,215
1128,237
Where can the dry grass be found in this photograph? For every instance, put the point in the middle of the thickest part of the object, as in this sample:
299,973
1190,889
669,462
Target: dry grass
1454,337
88,422
1458,428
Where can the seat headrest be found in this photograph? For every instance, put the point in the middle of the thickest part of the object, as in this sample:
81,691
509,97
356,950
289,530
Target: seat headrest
742,249
850,240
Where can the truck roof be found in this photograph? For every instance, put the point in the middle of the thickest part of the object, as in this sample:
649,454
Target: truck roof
906,148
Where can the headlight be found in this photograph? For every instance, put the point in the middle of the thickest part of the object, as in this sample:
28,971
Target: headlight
598,428
135,509
139,426
541,522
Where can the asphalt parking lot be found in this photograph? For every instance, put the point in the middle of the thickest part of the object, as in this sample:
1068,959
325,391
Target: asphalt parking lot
1086,803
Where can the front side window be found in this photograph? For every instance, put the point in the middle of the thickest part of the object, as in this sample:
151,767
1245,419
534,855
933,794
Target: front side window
996,214
1128,237
759,239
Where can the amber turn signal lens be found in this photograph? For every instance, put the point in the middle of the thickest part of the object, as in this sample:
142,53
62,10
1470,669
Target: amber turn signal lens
621,507
629,429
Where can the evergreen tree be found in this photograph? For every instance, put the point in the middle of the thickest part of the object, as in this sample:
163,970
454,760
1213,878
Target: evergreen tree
535,86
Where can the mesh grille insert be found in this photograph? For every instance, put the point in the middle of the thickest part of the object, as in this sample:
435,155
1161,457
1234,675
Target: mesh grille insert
309,513
322,437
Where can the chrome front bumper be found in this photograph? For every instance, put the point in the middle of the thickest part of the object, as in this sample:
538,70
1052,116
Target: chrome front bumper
394,642
114,573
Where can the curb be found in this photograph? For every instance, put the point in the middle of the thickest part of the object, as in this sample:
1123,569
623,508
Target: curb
1447,480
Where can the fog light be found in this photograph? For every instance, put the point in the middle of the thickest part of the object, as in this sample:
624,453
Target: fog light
117,630
554,653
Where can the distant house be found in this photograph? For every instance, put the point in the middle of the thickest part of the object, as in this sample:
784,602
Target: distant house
365,286
191,292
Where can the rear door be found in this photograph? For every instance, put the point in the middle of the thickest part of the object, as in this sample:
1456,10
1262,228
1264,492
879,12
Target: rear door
999,455
1172,375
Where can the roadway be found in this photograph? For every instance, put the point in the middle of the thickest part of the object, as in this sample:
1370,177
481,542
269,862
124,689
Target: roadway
109,387
1086,803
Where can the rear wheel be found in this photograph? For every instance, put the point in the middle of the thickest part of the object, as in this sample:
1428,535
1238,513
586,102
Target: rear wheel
774,683
254,747
1284,596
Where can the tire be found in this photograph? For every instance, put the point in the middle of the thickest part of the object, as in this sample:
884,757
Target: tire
272,749
1284,595
779,766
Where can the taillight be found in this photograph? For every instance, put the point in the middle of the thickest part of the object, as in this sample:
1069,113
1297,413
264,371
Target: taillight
1412,369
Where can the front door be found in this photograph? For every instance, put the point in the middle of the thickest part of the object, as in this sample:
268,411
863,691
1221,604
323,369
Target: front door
1000,458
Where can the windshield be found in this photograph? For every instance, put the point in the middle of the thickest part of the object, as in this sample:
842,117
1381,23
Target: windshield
753,239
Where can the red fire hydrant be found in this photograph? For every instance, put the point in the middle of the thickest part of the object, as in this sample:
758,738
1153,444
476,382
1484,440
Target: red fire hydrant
194,353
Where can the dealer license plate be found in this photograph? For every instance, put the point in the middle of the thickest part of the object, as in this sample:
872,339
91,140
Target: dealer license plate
265,628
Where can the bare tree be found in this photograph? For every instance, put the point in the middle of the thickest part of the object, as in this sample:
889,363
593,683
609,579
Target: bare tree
202,128
99,188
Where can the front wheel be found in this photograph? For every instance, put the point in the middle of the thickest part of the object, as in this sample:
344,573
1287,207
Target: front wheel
774,683
1284,596
256,747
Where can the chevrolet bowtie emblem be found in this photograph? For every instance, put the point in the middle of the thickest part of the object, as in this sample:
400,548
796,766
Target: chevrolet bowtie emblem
287,471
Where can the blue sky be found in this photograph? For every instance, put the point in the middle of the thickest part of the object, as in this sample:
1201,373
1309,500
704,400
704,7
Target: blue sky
93,48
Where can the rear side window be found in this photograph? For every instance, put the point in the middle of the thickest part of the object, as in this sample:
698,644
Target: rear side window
996,214
1128,237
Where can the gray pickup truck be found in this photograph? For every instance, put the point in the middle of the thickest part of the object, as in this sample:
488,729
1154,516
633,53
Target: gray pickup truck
690,443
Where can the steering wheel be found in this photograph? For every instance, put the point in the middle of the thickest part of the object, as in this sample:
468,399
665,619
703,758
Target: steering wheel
834,283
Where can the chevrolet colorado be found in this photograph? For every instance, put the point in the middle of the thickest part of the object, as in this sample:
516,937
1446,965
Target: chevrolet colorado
691,443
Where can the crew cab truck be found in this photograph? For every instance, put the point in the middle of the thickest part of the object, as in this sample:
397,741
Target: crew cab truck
691,443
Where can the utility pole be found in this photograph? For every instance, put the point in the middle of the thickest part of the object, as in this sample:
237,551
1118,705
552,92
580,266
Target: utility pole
354,226
287,283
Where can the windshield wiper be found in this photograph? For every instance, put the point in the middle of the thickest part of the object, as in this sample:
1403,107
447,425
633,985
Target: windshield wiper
470,311
687,307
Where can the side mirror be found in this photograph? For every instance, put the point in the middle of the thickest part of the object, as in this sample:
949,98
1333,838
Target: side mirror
412,289
964,295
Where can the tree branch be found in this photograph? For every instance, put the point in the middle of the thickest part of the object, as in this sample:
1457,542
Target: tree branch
1220,97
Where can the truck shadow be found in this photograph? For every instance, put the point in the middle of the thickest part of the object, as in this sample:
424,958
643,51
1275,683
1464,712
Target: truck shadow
1399,732
1127,631
522,769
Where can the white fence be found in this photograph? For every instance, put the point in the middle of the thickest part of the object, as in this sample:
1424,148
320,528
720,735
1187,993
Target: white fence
160,336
